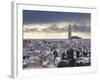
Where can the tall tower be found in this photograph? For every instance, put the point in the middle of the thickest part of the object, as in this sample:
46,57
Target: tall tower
69,32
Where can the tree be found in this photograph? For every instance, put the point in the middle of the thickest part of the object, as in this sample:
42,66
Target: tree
62,64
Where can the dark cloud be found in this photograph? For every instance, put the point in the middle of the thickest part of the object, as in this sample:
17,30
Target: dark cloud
75,28
80,28
31,30
37,17
54,28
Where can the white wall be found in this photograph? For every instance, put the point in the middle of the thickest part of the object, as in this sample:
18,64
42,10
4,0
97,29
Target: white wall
5,39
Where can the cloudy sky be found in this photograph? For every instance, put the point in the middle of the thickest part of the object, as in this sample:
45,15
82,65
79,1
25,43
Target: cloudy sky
47,24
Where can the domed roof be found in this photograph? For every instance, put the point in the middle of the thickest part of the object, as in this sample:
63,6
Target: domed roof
75,37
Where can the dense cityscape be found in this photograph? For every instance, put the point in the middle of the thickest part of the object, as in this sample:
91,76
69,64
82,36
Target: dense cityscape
54,53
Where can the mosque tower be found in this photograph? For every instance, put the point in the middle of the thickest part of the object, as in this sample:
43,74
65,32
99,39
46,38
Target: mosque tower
69,32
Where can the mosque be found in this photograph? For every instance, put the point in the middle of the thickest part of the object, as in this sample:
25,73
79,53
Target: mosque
70,37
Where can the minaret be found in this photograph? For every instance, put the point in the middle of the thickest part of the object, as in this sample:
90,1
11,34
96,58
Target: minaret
69,32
